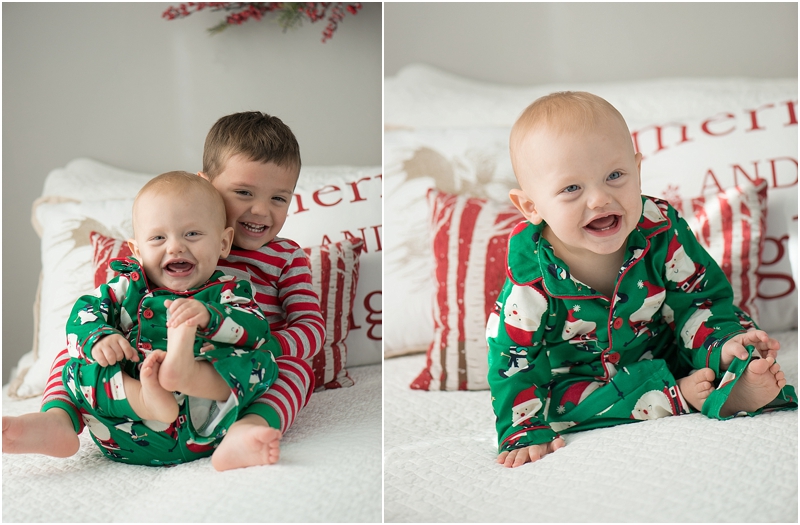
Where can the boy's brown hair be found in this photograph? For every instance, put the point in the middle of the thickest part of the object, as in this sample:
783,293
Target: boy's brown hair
257,136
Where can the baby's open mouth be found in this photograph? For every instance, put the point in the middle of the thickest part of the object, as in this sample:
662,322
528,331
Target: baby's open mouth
178,268
603,223
254,228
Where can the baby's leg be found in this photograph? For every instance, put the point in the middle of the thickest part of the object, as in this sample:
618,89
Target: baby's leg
50,433
520,456
249,442
181,373
148,399
697,386
760,383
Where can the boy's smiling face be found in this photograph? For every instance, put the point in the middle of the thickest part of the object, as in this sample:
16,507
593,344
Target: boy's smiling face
585,185
257,197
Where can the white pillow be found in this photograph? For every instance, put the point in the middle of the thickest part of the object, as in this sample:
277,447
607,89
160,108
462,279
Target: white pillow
67,273
422,96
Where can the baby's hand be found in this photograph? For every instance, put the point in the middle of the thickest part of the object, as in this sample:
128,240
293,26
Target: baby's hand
735,347
112,348
520,456
187,310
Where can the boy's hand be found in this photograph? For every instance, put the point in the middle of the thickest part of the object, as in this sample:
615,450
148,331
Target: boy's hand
735,347
112,348
520,456
187,310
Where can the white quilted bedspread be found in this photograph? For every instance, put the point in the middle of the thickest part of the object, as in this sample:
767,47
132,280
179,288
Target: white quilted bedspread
440,450
329,471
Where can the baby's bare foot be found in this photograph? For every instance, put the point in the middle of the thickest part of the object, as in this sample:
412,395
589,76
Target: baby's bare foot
520,456
247,445
160,403
760,383
697,386
179,360
50,433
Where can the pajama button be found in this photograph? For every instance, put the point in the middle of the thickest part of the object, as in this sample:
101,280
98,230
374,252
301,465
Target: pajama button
134,276
617,323
613,358
148,314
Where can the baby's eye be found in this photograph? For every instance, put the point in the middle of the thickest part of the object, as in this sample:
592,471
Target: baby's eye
193,234
157,238
571,188
614,175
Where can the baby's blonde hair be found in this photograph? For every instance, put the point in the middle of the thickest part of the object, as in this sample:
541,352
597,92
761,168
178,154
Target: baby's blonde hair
179,184
561,112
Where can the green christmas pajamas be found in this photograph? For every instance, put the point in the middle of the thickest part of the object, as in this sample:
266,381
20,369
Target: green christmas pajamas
236,341
564,358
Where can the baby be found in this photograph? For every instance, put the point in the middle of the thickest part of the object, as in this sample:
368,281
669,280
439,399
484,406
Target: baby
612,312
180,403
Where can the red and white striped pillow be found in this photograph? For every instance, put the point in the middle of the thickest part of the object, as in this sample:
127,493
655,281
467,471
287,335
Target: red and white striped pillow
468,242
469,246
334,272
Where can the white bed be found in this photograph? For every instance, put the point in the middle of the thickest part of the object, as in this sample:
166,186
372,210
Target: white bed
329,471
440,450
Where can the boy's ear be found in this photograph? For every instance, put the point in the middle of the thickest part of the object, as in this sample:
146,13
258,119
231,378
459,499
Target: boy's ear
526,206
201,174
227,242
134,248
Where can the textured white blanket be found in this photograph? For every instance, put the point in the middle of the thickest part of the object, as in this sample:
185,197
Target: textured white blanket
440,450
330,471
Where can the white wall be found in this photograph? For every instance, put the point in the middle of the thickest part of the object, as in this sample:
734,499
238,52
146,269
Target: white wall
537,43
117,83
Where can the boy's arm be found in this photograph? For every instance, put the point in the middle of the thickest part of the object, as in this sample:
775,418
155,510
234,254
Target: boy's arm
519,377
305,328
699,297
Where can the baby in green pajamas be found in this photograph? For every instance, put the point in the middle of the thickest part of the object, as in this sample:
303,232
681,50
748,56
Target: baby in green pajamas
611,312
165,357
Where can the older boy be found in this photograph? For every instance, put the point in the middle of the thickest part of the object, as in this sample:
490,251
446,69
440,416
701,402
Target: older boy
253,160
601,280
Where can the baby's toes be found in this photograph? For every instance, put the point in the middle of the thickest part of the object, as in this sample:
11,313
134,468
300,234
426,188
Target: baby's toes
759,366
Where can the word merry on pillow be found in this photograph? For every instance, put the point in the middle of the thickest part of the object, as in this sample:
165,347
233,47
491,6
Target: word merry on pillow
334,271
469,246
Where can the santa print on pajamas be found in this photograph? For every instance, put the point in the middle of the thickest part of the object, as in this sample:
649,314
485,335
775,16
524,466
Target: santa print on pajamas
565,358
280,274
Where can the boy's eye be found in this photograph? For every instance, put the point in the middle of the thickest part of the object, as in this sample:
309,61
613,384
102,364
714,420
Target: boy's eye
614,175
280,199
244,193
